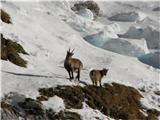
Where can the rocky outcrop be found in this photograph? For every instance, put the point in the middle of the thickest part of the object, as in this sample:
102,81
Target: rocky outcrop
116,100
16,106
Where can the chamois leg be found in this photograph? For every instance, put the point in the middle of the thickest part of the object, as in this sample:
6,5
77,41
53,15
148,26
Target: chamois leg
72,76
92,82
96,83
100,83
69,74
78,75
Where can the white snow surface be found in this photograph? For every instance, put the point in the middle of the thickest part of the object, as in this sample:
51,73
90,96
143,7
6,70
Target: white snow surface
88,113
46,30
57,105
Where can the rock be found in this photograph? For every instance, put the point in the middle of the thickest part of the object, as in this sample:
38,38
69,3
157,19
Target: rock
116,100
42,98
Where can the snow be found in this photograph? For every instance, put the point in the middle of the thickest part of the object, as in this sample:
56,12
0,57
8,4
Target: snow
148,22
89,114
47,29
86,13
56,106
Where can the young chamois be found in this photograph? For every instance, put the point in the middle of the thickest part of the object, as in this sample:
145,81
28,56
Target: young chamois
97,75
72,65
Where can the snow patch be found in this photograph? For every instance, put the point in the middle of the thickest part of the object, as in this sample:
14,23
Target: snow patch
147,21
56,103
88,113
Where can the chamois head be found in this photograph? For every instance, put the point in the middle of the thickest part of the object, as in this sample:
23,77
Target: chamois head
104,71
70,53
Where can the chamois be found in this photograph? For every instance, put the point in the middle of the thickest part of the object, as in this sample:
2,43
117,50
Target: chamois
97,75
72,65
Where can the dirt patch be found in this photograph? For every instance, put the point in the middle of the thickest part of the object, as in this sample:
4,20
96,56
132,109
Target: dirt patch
42,98
10,51
5,17
116,100
62,115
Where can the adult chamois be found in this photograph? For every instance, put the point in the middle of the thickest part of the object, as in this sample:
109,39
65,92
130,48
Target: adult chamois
72,65
97,75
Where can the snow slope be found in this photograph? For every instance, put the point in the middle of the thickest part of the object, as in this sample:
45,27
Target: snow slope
46,30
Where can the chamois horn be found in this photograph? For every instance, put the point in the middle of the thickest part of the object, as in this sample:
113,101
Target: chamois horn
73,50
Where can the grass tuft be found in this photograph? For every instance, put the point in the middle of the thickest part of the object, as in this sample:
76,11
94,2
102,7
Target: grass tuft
5,17
10,51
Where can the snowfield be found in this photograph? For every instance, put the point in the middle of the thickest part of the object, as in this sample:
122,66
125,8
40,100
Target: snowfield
46,30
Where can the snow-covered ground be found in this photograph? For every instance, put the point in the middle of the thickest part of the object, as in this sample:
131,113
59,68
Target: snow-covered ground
46,30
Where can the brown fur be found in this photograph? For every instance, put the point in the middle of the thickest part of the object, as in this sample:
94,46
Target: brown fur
72,65
97,75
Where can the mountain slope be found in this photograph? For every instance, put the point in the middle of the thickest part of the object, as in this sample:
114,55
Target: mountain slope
46,32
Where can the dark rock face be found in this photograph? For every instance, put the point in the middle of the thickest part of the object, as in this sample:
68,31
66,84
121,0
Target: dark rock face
10,51
117,101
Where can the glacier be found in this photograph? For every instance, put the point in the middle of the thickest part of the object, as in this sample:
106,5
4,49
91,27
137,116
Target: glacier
150,34
118,45
152,59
